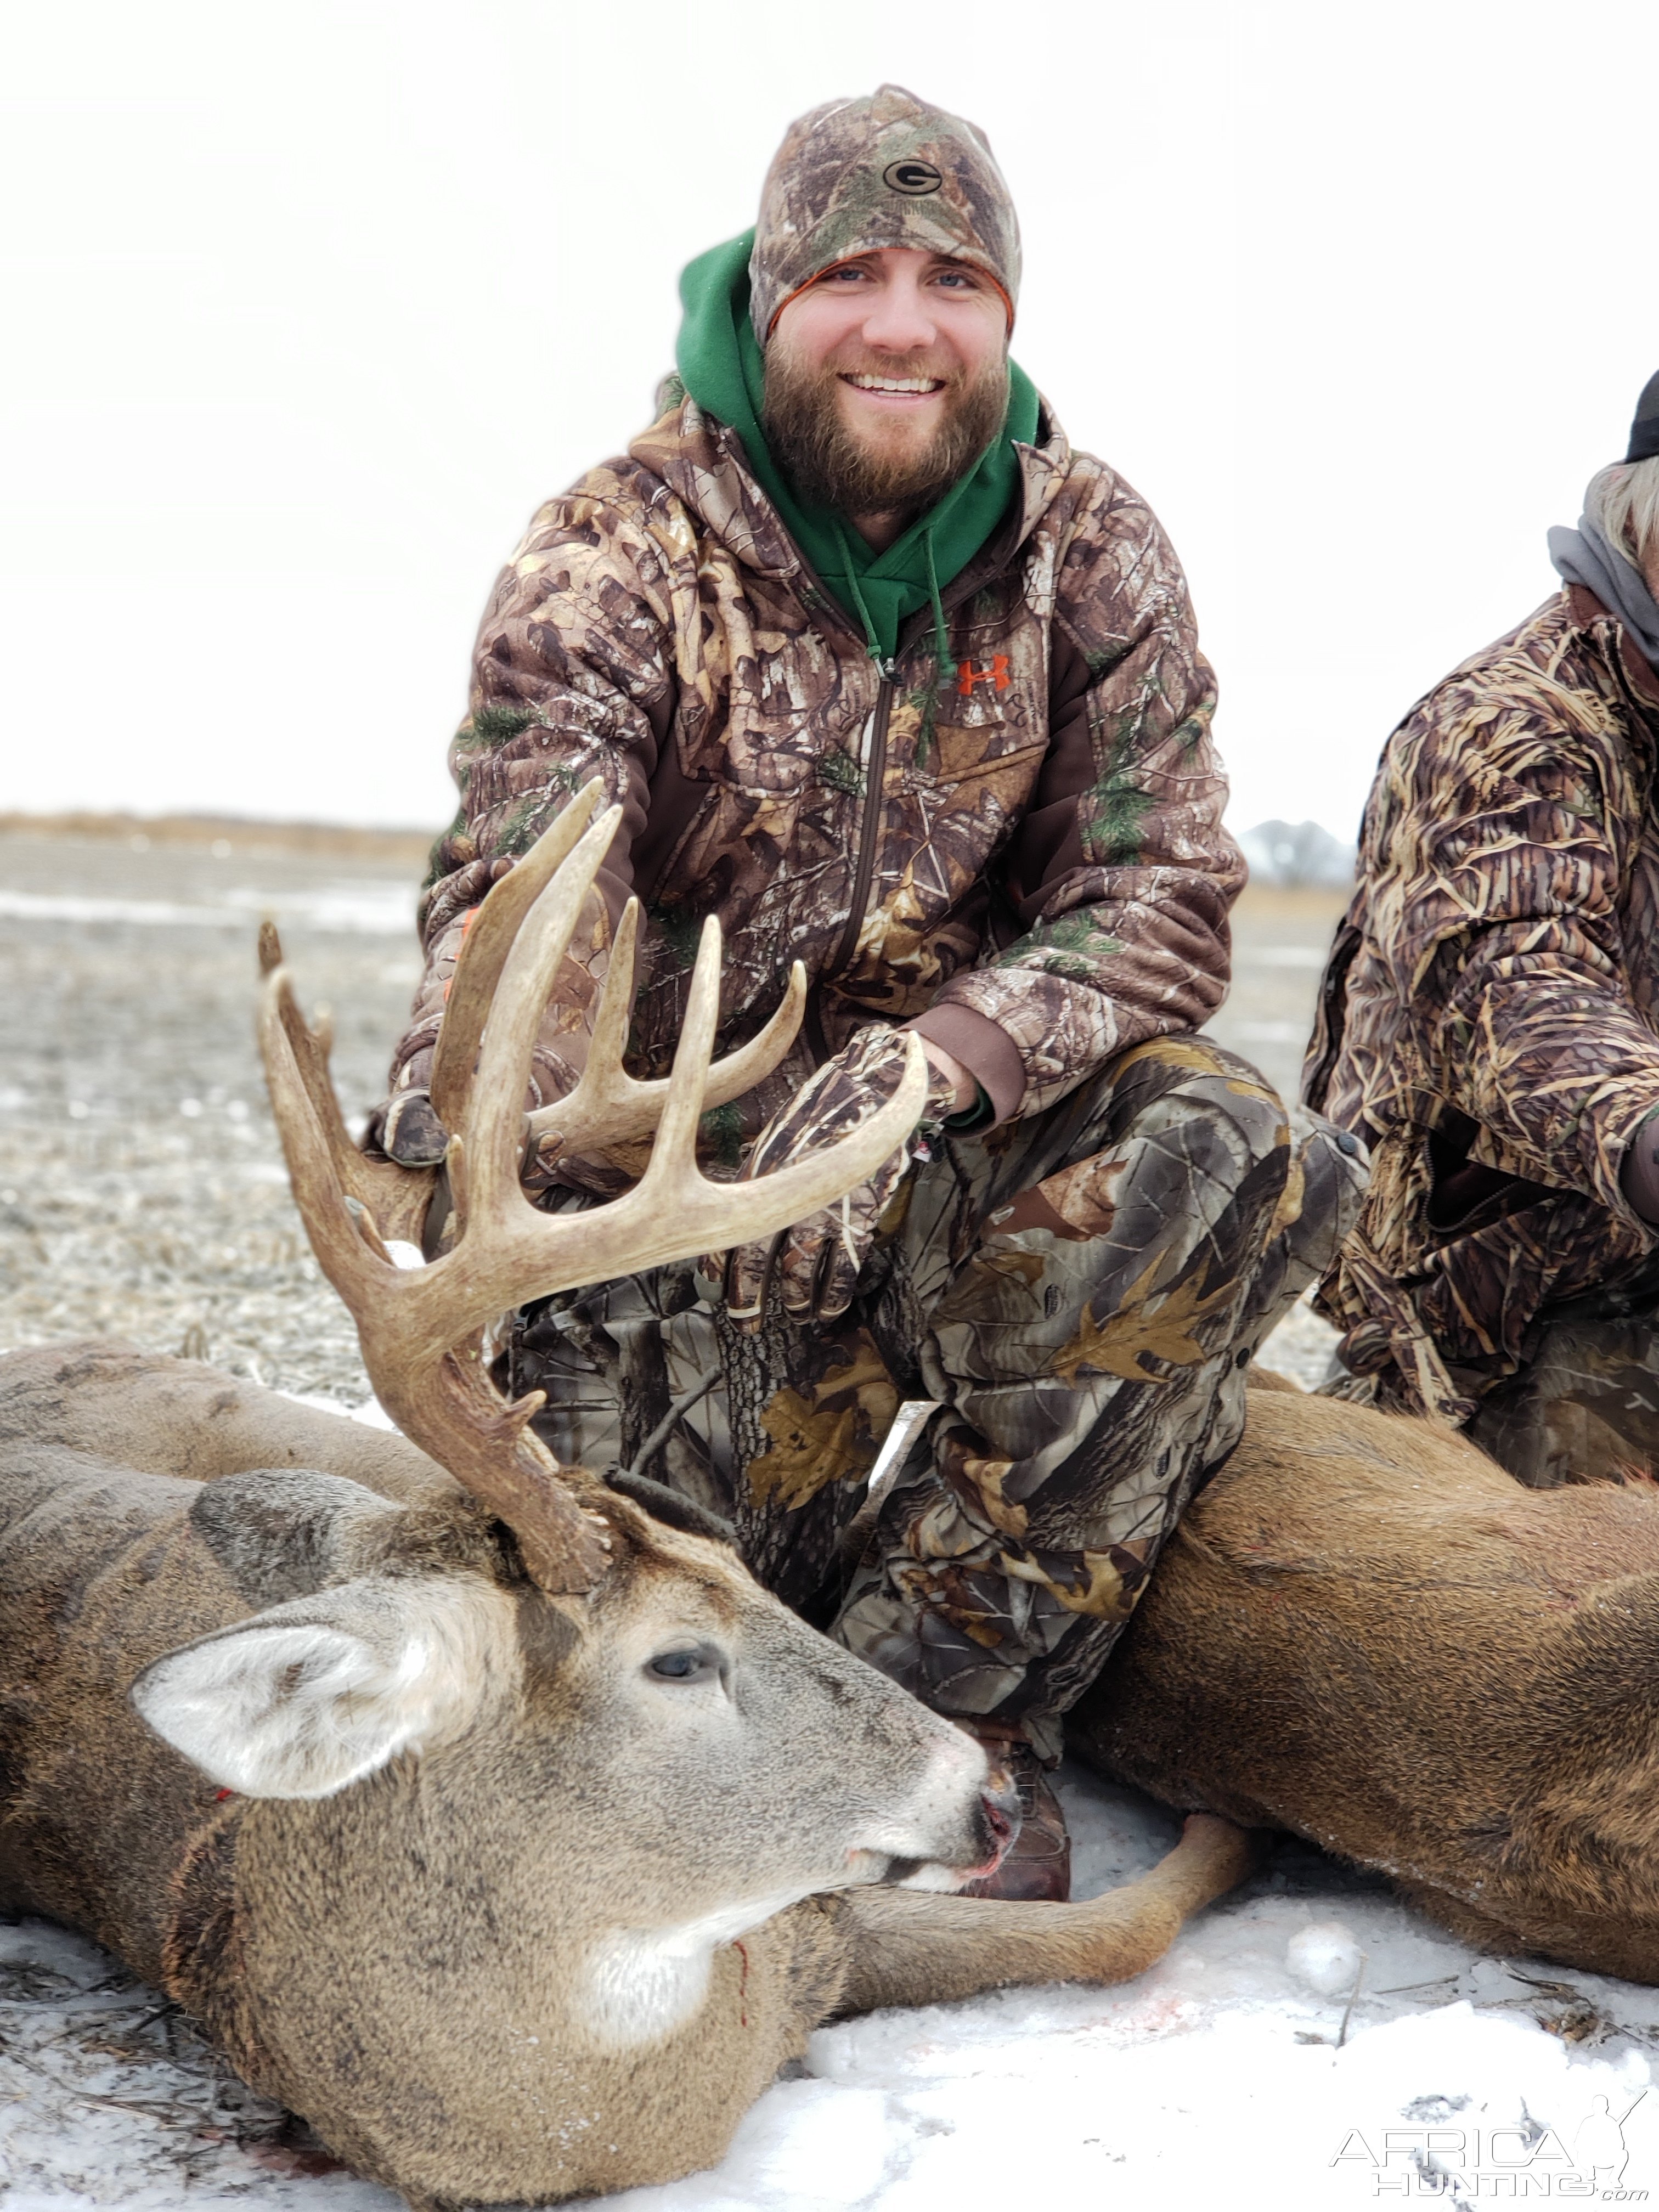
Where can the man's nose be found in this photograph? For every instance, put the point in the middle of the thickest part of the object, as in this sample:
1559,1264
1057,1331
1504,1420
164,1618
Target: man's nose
899,320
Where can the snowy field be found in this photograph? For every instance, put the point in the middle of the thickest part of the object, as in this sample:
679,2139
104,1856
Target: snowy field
1308,2044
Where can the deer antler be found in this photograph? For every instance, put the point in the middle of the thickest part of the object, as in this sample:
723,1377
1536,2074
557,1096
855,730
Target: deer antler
608,1105
396,1198
483,953
421,1328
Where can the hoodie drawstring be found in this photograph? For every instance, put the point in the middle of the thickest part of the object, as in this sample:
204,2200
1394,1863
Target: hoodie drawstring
871,642
947,667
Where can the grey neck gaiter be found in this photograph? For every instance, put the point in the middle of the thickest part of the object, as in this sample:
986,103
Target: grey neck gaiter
1588,556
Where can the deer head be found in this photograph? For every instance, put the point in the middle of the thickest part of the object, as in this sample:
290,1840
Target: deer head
564,1753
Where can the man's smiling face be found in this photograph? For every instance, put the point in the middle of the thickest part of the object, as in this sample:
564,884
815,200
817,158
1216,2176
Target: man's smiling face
886,378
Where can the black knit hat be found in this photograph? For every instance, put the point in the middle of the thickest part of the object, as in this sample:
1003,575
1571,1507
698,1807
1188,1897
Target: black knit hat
1644,430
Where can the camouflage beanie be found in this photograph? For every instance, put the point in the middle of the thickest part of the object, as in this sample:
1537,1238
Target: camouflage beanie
855,175
1644,430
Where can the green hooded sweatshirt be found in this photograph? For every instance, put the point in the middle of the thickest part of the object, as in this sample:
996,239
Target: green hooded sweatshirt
722,367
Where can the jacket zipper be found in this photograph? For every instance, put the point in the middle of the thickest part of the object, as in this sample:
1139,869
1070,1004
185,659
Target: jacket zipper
875,776
819,604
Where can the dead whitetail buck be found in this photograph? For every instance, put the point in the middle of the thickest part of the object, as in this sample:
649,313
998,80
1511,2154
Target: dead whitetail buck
1366,1630
512,1838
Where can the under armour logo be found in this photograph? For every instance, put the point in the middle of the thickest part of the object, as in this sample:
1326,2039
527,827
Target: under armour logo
996,675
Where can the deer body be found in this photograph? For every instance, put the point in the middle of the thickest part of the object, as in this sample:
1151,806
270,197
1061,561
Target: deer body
1367,1632
560,1936
510,1834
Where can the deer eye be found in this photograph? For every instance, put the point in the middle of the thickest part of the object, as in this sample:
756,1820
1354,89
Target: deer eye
686,1665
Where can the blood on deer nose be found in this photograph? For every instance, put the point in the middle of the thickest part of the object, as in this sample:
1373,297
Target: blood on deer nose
999,1803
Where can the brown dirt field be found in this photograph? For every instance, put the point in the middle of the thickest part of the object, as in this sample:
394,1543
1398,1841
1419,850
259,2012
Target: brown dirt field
143,1193
404,848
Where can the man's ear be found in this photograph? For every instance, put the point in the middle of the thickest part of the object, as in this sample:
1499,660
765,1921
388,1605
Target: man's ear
310,1696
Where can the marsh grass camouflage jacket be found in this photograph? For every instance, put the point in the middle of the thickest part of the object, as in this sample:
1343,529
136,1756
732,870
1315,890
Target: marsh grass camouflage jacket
1024,860
1489,1020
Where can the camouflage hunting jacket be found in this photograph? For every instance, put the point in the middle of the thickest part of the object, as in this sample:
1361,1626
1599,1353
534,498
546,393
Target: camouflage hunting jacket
1026,862
1489,1021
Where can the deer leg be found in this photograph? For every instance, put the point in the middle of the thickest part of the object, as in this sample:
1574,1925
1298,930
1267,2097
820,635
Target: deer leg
910,1949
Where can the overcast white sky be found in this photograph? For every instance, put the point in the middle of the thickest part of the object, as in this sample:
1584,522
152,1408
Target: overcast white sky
309,306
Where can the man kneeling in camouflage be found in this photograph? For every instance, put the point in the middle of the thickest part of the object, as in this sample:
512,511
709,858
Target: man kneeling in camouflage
1491,1024
896,683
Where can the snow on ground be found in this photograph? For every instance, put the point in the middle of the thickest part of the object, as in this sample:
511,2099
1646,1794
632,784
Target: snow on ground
1301,1347
1221,2079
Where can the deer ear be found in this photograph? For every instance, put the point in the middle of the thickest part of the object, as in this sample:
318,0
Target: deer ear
308,1697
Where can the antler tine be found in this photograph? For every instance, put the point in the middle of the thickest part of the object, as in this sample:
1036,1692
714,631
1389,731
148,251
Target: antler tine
304,1107
600,1100
518,1253
728,1214
751,1063
395,1198
484,951
493,1129
676,1144
734,1214
609,1106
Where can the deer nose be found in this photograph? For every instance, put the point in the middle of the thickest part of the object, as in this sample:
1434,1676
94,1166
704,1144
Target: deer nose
999,1803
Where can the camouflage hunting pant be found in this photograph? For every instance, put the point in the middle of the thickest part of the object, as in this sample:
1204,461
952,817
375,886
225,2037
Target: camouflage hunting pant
1584,1406
1085,1354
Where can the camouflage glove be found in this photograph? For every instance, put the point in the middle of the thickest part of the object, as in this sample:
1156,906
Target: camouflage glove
403,1127
814,1267
411,1132
406,1129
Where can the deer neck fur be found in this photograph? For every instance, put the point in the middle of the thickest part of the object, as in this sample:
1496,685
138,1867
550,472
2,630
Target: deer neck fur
637,1986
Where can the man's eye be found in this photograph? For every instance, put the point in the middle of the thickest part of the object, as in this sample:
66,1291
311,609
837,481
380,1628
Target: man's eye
679,1666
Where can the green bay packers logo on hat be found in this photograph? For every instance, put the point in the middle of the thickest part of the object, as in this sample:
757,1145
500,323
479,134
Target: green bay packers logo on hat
914,178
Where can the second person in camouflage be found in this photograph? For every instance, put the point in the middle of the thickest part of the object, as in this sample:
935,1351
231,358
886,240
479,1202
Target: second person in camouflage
1490,1023
895,683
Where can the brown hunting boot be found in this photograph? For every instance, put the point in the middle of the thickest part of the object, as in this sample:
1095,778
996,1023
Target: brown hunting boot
1039,1866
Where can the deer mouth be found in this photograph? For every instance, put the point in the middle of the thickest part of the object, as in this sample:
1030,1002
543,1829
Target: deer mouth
900,1871
1001,1809
998,1825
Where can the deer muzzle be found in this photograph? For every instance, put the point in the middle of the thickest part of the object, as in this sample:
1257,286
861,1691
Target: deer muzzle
999,1816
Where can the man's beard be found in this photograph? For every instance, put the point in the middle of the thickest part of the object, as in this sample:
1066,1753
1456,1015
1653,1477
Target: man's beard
831,466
